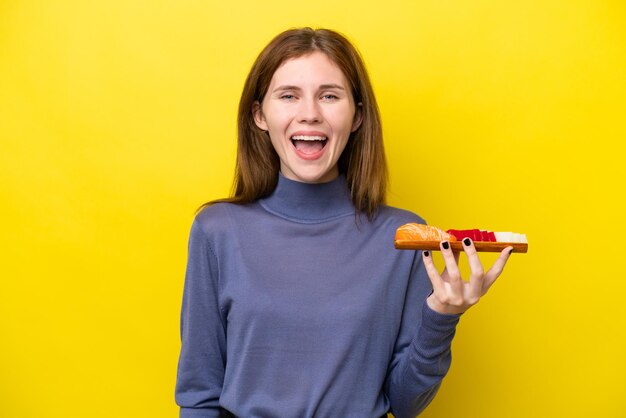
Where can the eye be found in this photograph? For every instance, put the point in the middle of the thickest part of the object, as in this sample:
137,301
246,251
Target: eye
287,97
330,97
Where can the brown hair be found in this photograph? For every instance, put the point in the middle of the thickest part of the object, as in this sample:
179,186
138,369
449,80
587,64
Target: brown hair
362,161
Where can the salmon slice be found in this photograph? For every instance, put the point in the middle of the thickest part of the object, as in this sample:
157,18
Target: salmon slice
421,232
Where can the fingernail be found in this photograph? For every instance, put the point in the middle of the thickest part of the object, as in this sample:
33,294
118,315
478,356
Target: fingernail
445,245
510,251
426,253
467,242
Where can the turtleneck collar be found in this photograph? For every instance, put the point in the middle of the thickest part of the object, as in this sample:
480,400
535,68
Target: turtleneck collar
308,202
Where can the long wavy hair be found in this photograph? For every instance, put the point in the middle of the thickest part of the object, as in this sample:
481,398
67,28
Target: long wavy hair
362,161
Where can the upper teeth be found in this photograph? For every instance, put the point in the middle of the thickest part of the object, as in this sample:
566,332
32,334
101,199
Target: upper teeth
308,138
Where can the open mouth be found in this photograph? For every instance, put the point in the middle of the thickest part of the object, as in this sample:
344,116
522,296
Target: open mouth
309,144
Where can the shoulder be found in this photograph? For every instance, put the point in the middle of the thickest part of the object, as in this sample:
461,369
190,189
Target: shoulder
212,215
219,221
397,216
213,220
388,219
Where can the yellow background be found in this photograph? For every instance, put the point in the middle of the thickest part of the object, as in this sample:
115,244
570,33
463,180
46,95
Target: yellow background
117,120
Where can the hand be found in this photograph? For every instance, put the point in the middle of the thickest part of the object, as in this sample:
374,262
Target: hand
451,294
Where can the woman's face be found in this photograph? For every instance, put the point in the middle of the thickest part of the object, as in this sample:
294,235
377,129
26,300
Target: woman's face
309,113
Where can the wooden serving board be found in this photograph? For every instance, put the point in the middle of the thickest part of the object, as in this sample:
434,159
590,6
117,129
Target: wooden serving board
481,246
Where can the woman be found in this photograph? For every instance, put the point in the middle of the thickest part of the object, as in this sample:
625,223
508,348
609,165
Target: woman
295,302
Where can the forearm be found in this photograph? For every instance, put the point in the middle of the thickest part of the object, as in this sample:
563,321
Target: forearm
201,413
203,350
416,377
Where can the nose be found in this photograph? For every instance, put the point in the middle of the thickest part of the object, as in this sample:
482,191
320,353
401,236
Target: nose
309,111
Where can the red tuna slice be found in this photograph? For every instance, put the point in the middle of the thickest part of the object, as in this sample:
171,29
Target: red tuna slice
454,233
459,234
474,234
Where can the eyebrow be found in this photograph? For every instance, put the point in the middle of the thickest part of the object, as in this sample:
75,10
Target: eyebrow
321,87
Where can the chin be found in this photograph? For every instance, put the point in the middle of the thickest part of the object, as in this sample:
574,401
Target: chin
314,177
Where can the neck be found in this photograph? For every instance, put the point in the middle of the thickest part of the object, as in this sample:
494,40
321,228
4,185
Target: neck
309,202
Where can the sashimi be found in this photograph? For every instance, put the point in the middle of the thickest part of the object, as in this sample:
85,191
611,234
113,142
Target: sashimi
421,232
426,237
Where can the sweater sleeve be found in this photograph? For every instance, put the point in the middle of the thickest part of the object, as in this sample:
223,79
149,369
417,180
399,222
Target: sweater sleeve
203,351
422,353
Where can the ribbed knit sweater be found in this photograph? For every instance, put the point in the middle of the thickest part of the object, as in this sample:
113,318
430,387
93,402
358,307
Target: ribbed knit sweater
296,307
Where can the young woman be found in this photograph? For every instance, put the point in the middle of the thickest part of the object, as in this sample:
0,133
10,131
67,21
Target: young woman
295,302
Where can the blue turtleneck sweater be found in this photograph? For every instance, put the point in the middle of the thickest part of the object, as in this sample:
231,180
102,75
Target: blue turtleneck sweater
294,307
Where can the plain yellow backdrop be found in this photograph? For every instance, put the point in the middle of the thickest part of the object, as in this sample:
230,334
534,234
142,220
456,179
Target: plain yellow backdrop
117,120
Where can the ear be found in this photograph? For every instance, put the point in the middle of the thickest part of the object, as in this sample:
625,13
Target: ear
259,118
358,117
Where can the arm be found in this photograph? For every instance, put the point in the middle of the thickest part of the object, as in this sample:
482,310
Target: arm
422,354
203,351
429,354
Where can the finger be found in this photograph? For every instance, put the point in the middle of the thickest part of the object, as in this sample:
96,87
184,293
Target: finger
433,274
496,269
444,274
452,267
477,274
